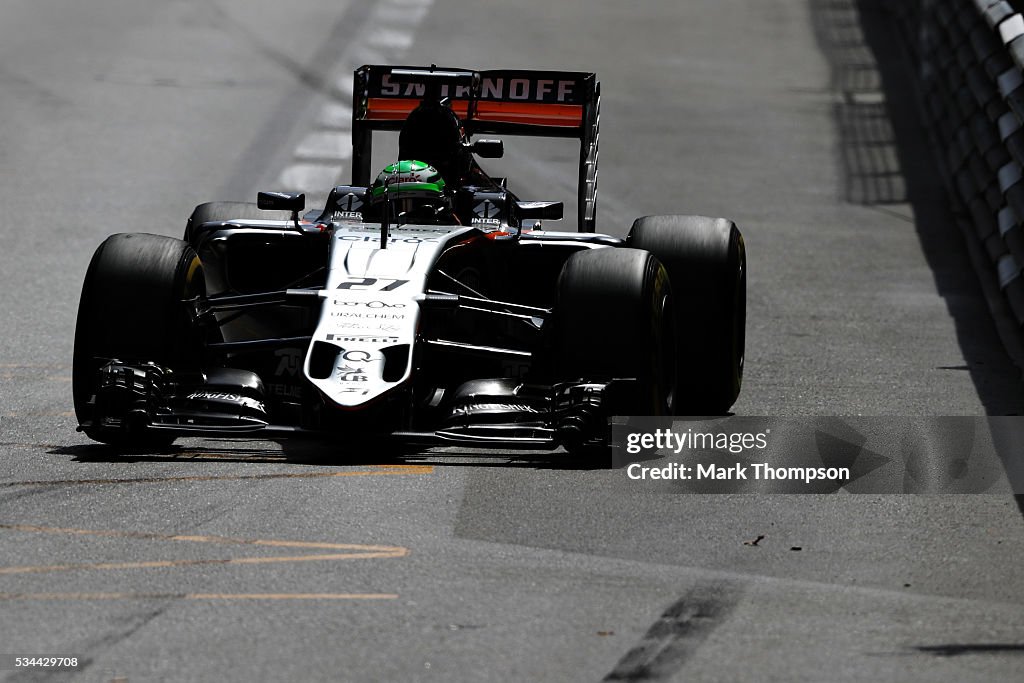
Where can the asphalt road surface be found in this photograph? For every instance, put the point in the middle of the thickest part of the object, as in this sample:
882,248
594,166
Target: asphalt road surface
231,560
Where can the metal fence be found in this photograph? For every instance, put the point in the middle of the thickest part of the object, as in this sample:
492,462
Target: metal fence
969,56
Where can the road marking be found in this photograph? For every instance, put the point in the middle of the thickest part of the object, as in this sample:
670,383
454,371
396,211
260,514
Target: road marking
337,115
387,35
390,38
306,176
410,15
353,551
169,564
327,145
198,596
383,470
345,83
224,540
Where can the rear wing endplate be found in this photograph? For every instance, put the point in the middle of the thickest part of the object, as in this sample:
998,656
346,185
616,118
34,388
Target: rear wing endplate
564,104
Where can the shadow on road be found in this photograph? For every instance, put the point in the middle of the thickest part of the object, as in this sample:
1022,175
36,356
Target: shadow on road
321,455
887,159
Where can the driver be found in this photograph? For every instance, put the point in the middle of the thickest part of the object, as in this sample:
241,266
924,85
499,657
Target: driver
432,132
415,192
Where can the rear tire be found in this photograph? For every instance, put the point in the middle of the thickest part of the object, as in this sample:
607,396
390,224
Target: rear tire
706,262
131,310
613,319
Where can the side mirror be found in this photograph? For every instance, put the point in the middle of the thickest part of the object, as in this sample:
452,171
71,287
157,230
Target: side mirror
488,149
281,201
545,211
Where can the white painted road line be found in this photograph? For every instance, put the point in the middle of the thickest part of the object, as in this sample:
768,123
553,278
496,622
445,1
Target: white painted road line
390,39
327,145
316,163
311,177
336,114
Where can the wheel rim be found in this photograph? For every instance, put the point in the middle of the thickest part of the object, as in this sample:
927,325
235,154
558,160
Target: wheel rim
740,318
667,372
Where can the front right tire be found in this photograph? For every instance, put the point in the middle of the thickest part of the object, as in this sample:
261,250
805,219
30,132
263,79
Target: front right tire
211,212
707,264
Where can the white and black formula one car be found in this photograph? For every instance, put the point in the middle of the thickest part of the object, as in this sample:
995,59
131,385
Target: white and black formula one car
426,306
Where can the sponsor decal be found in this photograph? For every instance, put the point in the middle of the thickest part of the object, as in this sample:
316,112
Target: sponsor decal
361,356
389,88
347,373
363,338
354,368
499,88
226,396
346,215
350,202
421,228
476,408
369,304
391,240
483,209
213,395
284,390
291,360
367,315
543,90
367,227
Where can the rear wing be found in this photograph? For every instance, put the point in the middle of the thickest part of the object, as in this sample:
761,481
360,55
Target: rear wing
564,104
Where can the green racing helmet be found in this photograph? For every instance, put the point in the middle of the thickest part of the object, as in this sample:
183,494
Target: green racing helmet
415,191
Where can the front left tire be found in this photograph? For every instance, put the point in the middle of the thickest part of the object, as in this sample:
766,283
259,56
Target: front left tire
131,310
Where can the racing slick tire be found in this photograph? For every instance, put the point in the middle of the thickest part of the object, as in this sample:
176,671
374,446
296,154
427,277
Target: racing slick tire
131,310
613,318
706,262
226,211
